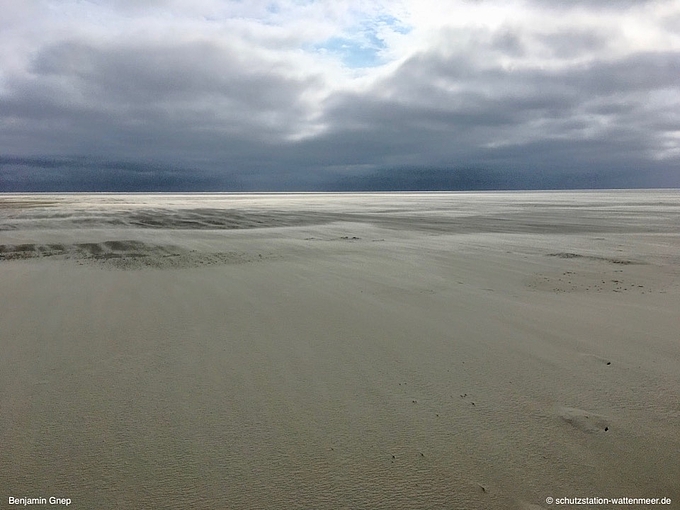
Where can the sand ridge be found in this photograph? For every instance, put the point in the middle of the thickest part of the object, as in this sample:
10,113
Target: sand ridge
125,254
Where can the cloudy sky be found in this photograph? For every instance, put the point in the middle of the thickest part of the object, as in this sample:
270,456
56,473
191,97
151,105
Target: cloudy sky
338,94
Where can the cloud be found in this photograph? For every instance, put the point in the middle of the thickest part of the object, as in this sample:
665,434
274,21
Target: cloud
285,94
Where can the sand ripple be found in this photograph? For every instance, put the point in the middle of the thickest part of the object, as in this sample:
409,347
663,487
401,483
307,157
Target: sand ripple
124,254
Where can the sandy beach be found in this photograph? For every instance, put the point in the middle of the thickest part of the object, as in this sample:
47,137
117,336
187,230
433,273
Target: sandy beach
325,351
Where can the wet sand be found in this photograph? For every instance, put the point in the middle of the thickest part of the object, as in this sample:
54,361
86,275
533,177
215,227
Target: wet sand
397,351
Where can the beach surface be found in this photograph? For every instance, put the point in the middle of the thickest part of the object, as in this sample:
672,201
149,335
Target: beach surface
325,351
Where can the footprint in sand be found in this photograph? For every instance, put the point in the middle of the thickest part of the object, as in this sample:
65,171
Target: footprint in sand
584,421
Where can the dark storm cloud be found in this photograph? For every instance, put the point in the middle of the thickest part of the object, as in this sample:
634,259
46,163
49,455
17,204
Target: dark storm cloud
91,174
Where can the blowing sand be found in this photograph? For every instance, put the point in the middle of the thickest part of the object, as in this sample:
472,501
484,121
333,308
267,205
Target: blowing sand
397,351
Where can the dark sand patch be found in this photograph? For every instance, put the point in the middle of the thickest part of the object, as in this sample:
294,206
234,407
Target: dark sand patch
592,282
92,248
208,219
124,246
24,247
125,254
577,273
176,219
611,260
24,204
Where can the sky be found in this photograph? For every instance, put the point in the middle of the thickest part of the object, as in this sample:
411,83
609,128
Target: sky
280,95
